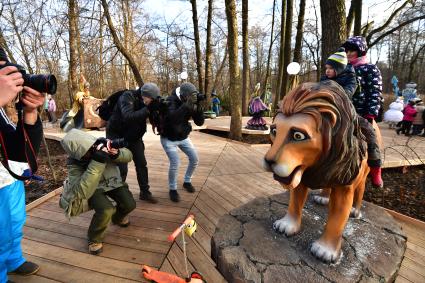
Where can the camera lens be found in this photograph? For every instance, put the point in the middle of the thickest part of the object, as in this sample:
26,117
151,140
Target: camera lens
41,83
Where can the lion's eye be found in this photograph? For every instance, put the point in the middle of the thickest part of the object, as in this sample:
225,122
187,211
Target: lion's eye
298,136
273,130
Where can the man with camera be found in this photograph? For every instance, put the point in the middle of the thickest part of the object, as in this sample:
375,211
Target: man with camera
128,121
93,176
182,105
17,142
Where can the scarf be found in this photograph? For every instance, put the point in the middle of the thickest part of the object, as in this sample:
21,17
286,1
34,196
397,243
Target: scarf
359,61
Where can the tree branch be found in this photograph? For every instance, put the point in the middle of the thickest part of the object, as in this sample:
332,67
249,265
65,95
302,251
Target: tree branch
394,29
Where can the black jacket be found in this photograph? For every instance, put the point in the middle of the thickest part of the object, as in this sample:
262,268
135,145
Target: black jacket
176,125
128,119
347,80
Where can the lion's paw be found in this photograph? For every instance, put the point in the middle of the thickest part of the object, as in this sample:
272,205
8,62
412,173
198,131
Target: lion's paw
355,213
320,200
324,252
286,225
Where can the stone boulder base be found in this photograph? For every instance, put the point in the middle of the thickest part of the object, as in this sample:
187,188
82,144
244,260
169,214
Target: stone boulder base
247,249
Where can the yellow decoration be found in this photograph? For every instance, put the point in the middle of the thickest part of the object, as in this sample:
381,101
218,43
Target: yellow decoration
190,228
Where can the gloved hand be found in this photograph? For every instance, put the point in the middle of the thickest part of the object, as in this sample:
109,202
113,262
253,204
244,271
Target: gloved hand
101,156
99,141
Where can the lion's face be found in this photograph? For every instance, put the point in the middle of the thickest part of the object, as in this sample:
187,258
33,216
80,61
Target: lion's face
296,145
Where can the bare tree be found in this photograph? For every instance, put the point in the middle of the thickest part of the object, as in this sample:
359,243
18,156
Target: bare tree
288,40
245,58
197,45
208,53
333,26
121,47
279,94
235,99
269,55
357,16
73,47
300,31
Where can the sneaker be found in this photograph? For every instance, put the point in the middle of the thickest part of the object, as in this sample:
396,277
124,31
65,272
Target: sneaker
375,173
147,196
125,222
189,187
95,248
26,269
174,196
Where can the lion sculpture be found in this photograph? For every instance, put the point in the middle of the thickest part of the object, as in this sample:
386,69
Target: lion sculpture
316,143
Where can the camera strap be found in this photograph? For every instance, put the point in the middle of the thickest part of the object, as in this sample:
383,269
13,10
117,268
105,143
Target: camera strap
30,155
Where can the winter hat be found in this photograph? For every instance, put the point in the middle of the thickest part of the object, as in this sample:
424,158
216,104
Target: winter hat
338,61
187,89
3,55
356,43
411,85
150,90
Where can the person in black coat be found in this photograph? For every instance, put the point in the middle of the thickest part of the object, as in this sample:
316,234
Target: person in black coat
182,105
128,121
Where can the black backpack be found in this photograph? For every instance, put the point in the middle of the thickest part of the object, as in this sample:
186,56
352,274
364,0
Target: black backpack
107,107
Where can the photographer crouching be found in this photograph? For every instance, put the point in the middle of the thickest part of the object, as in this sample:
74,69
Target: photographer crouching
182,105
19,145
128,121
93,176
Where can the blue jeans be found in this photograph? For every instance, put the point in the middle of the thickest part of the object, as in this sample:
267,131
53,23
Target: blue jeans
187,147
12,219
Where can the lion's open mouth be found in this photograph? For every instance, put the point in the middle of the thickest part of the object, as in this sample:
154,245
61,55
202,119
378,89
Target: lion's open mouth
289,179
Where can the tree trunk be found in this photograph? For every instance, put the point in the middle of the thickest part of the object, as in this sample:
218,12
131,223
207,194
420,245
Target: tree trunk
300,31
102,67
235,99
358,17
287,51
350,18
73,47
245,58
120,47
208,53
279,95
79,48
334,27
269,55
6,48
197,45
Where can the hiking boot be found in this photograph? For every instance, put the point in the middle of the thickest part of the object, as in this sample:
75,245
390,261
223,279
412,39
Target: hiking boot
125,222
26,269
398,131
95,248
189,187
147,196
375,173
174,196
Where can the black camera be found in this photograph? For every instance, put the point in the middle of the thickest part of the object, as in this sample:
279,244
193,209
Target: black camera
45,83
117,143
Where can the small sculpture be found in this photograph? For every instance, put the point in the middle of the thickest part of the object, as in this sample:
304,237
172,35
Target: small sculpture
314,145
257,109
394,114
74,118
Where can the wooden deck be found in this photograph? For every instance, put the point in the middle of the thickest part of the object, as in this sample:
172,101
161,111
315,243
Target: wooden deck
229,175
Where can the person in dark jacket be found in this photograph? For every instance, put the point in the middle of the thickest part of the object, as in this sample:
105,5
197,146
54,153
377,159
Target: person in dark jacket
12,144
367,100
182,106
128,121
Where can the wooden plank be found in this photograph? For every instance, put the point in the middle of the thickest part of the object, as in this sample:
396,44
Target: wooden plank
31,279
139,243
413,265
78,244
135,220
167,267
209,212
43,199
202,220
413,255
68,273
410,275
176,259
83,222
83,260
401,279
416,248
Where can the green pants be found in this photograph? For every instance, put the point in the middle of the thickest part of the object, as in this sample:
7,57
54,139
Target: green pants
105,211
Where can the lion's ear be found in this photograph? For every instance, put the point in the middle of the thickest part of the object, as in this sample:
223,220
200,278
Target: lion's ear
331,114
